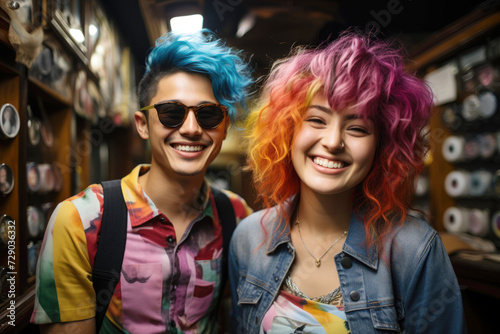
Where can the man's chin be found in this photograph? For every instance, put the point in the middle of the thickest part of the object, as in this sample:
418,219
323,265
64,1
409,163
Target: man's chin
185,173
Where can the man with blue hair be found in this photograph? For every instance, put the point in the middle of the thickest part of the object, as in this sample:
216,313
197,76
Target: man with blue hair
171,274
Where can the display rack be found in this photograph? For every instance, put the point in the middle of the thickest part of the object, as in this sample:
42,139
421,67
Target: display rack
457,48
53,154
464,190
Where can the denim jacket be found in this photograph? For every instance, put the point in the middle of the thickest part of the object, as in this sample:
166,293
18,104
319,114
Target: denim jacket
411,288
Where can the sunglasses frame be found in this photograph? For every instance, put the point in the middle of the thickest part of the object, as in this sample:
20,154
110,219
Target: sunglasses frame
186,112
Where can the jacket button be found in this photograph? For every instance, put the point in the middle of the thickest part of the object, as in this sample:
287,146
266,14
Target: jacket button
256,320
354,296
346,262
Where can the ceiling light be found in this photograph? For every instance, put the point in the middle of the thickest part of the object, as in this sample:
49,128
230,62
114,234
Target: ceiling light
245,25
187,24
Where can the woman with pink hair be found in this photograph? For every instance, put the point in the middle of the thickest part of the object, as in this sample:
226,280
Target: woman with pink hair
335,147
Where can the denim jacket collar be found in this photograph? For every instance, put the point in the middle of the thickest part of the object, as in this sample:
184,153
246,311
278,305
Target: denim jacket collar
280,232
354,245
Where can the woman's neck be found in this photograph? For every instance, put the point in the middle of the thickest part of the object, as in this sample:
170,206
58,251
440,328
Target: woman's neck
324,213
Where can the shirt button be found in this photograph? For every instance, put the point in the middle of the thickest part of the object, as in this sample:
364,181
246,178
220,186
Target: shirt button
172,323
170,240
346,262
174,287
162,219
354,296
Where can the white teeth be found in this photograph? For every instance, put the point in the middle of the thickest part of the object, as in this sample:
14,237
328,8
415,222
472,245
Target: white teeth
188,148
328,163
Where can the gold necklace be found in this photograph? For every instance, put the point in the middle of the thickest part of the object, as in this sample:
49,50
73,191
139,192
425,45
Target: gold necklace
317,260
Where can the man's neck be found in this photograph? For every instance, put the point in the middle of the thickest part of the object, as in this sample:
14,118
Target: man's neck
177,197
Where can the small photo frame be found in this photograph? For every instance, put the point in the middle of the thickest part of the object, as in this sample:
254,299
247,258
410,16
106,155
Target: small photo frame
32,258
33,176
6,179
35,221
5,222
47,178
9,121
34,130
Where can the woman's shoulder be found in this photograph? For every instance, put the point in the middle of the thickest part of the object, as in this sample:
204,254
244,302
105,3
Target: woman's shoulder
414,225
253,229
262,218
414,236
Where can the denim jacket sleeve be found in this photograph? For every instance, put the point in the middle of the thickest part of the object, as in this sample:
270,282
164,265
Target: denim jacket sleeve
254,274
431,296
235,313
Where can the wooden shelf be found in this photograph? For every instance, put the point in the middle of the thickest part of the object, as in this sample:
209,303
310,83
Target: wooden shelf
49,93
455,38
73,150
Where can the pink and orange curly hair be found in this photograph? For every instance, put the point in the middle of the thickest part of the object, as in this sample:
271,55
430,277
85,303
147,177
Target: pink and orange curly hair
350,70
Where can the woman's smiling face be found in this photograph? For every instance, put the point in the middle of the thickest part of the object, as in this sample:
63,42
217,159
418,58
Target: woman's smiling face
333,151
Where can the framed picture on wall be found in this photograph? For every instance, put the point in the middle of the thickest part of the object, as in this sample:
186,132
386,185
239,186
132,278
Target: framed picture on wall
67,18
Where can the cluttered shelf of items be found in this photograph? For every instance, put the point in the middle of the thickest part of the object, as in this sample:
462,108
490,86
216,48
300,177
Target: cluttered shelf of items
462,65
67,84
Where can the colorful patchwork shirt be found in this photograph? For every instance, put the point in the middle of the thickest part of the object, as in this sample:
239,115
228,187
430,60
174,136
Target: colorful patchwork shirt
167,284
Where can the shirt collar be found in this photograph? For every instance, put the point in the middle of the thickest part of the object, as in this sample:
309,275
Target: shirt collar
355,244
141,208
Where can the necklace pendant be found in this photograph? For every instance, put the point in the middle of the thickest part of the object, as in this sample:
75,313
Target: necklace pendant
318,262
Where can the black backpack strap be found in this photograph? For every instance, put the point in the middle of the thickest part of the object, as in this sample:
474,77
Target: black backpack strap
110,249
227,219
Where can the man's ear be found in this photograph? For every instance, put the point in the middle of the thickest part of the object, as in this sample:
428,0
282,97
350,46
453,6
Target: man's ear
141,124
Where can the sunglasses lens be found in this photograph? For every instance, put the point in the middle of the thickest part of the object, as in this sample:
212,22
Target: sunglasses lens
170,114
209,117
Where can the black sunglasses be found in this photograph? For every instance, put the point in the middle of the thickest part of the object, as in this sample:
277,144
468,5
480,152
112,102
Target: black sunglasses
172,114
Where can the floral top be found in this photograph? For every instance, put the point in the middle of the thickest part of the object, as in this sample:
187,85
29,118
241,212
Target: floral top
292,314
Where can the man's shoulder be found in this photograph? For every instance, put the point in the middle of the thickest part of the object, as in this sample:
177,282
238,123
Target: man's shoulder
91,195
86,207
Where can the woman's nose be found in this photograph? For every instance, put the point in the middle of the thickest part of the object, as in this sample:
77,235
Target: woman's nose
333,140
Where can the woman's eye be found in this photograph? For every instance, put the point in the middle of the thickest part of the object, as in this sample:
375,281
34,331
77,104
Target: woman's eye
315,121
360,130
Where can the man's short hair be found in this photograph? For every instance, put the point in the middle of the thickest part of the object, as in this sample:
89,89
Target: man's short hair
200,53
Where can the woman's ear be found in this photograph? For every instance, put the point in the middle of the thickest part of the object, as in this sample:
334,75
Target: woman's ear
141,124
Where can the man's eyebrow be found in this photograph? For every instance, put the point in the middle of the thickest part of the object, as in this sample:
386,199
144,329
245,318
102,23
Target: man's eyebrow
175,100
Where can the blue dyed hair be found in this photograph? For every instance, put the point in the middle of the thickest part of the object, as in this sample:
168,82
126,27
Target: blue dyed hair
199,53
